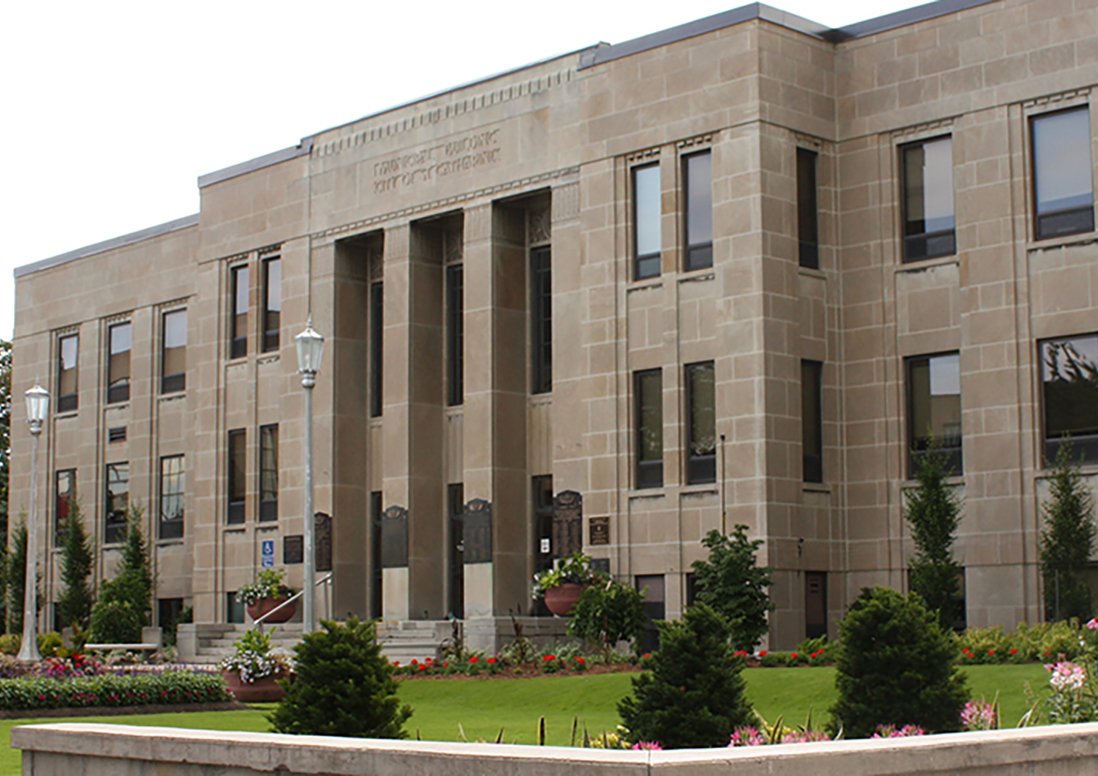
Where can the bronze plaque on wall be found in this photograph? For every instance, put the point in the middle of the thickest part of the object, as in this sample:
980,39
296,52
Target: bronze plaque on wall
323,534
293,549
477,533
394,537
567,523
598,531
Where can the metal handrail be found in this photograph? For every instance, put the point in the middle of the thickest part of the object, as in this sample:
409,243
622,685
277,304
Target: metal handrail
324,580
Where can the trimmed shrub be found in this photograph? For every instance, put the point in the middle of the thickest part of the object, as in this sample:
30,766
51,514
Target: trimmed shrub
170,687
734,585
114,621
608,612
692,693
896,667
343,686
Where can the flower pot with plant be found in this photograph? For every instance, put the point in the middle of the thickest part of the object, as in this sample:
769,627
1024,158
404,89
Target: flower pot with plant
267,593
562,585
252,672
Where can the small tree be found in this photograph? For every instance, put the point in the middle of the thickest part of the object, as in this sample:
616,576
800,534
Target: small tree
694,694
125,602
896,667
135,569
344,686
733,584
17,576
1067,540
934,512
608,612
75,602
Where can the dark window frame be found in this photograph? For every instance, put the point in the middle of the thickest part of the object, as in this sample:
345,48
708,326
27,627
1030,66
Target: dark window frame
172,498
62,502
920,245
541,319
455,552
268,445
812,459
645,265
236,481
696,254
377,345
648,472
68,402
1065,221
808,228
114,513
375,584
700,468
238,318
118,386
272,317
172,382
1084,444
954,454
455,334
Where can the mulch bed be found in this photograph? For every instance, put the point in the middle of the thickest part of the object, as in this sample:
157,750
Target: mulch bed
118,711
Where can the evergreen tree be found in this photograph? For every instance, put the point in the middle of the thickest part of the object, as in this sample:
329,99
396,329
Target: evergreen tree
933,511
896,667
343,686
1067,540
734,585
694,694
75,602
125,602
135,570
17,577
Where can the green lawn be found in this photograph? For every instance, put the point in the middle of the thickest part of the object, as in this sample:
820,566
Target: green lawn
483,707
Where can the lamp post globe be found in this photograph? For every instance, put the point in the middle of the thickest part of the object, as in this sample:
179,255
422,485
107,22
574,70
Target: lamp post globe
38,405
310,352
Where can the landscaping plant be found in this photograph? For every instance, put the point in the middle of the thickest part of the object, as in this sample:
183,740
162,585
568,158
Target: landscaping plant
896,667
17,575
693,691
268,583
1067,540
169,687
733,584
608,612
575,569
254,657
125,602
343,686
75,601
933,510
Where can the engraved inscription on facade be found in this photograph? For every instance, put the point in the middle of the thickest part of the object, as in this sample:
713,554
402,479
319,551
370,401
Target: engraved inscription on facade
424,165
293,549
323,534
394,537
478,531
567,523
598,531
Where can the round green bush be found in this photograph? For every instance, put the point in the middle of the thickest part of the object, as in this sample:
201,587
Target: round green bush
896,667
115,622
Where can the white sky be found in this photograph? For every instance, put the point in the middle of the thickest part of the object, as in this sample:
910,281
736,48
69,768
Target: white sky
115,108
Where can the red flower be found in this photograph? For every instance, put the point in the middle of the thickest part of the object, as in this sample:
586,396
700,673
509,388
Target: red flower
991,652
474,659
41,697
446,665
491,661
646,656
793,655
415,662
741,653
422,668
1013,650
763,653
548,658
580,659
396,663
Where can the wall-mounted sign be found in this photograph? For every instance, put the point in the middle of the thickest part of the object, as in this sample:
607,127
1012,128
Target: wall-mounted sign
598,530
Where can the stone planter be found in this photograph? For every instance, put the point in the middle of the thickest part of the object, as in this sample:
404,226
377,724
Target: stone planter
263,690
264,605
561,600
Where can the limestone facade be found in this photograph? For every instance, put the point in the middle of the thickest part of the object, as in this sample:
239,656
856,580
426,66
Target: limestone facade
434,243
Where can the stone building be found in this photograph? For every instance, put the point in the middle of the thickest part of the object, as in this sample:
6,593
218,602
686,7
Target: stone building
738,271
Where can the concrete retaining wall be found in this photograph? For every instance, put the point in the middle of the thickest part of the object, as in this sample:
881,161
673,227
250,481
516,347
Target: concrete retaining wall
122,750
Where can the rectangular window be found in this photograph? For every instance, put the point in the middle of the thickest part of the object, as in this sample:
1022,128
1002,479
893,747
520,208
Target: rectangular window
697,173
646,221
811,421
455,497
375,553
1069,377
272,303
237,467
807,228
117,502
120,337
934,409
268,472
815,604
238,323
455,335
1063,184
541,320
651,587
377,327
64,497
67,352
172,487
927,168
701,424
648,396
173,355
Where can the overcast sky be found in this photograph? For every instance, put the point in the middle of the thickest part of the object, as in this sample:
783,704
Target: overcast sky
113,109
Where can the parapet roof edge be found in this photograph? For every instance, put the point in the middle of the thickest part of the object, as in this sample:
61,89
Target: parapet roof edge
301,149
602,54
106,245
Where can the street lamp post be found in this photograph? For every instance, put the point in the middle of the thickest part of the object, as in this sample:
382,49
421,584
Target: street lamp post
310,351
38,404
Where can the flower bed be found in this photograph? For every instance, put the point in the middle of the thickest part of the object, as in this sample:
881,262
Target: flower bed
108,690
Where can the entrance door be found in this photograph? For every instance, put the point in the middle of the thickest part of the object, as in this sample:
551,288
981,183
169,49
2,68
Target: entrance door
815,604
375,553
542,488
456,501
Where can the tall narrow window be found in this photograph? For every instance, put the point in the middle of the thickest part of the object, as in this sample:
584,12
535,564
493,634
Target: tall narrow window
268,472
697,173
65,495
238,333
172,488
1069,375
455,335
1063,182
375,553
648,396
117,502
701,424
237,470
455,496
67,352
928,199
173,356
541,319
272,302
646,221
811,421
377,327
808,237
934,408
120,337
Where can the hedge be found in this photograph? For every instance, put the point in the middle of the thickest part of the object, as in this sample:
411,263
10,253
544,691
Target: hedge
170,687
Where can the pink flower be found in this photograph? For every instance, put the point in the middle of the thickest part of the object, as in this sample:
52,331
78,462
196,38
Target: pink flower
891,731
1092,624
653,746
746,736
1067,676
978,715
804,736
